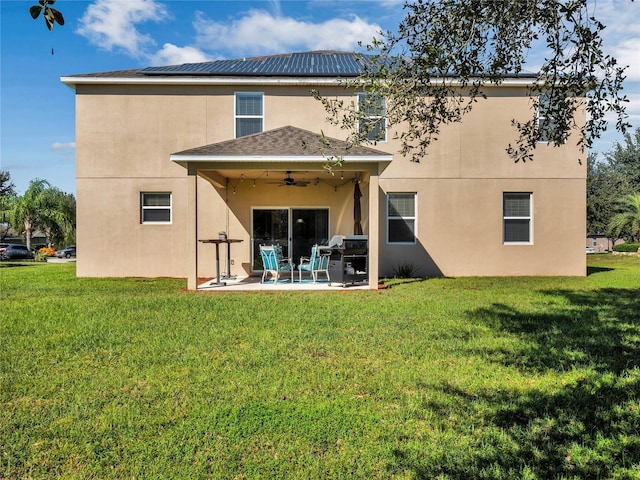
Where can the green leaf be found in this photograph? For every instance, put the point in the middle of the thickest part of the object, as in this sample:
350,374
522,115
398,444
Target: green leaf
35,11
57,16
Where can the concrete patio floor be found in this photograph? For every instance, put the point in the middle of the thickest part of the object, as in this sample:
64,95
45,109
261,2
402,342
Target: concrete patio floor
238,284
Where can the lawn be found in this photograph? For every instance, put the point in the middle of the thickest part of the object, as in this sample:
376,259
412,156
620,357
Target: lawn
501,378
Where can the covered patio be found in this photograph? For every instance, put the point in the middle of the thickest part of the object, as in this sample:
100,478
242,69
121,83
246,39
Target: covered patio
268,166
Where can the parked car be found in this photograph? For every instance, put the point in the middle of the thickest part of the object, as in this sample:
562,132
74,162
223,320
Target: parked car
14,251
67,252
591,250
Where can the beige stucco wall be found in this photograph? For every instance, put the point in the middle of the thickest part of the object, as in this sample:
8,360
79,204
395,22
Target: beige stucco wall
125,135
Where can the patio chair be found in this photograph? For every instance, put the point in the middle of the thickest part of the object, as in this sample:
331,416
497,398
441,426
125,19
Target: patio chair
274,262
317,262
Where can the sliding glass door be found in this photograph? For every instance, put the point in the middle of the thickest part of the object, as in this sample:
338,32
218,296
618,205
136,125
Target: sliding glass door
296,230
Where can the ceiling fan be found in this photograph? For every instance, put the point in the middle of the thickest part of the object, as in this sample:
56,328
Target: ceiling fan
288,181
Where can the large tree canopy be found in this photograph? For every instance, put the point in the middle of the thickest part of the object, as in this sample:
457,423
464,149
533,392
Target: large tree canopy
445,52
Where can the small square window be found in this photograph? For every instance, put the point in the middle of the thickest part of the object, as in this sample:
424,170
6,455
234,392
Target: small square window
155,207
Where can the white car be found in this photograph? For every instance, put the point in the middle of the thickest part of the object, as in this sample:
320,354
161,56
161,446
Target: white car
591,250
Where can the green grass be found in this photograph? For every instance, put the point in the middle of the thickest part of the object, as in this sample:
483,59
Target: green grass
532,378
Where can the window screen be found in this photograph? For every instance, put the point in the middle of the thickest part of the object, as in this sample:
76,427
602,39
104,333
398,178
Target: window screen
375,124
517,217
249,114
401,217
155,207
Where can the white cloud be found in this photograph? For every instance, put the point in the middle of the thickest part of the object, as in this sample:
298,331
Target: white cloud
627,52
633,108
111,24
173,55
259,32
621,36
63,146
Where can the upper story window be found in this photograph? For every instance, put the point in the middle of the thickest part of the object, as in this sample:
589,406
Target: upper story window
517,218
375,123
155,207
401,218
547,127
249,114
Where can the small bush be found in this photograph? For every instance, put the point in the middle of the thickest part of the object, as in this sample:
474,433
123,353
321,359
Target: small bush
626,247
404,270
47,251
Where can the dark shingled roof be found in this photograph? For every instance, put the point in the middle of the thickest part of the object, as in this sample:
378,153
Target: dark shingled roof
284,141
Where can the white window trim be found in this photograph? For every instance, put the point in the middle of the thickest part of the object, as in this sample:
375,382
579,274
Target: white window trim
144,207
414,218
235,109
374,118
529,218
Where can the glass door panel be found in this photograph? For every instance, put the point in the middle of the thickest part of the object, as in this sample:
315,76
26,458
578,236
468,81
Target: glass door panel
309,226
270,227
296,230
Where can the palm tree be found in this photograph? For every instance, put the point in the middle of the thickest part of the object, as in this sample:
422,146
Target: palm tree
57,214
24,213
42,207
629,218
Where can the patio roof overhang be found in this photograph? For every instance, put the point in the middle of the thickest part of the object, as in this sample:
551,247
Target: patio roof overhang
285,148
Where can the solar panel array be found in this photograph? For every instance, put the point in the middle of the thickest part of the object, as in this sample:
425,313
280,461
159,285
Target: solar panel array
295,64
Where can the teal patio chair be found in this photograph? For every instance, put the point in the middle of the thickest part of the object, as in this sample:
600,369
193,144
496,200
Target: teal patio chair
274,263
317,262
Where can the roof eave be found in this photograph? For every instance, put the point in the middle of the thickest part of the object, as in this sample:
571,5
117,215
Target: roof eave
180,158
72,81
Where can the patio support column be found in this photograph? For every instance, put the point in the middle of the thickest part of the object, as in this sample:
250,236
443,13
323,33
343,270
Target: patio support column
192,229
374,230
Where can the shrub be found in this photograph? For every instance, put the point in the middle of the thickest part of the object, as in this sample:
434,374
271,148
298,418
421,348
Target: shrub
40,257
626,247
47,251
404,270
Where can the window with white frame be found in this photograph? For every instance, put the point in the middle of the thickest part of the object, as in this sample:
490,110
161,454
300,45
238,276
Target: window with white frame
374,123
155,207
249,113
547,127
517,219
401,218
544,128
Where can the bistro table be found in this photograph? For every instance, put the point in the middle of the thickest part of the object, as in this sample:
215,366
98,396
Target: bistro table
217,242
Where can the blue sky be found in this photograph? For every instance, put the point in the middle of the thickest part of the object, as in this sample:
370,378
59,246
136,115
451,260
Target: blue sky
37,123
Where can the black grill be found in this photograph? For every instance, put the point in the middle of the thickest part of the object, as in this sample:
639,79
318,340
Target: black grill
348,261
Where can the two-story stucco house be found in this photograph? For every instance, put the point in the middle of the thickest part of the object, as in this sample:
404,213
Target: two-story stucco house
168,156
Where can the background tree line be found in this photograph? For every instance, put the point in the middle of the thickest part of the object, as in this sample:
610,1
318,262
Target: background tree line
613,191
42,208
